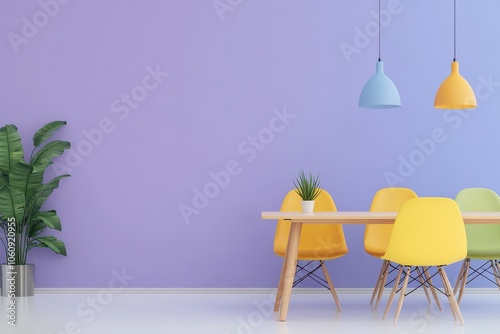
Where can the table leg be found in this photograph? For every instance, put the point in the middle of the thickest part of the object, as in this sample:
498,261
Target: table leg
292,249
279,293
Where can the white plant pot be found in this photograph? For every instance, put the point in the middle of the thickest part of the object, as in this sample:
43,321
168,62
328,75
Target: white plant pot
307,206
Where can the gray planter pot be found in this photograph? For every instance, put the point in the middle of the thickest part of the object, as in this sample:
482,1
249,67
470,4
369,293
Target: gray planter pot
18,281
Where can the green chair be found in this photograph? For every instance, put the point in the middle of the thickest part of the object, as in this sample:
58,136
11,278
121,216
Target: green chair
483,240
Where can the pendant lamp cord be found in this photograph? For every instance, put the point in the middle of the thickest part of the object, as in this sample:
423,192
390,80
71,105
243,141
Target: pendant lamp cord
379,32
454,30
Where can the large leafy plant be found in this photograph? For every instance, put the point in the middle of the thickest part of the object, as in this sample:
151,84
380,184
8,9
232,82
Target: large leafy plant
23,191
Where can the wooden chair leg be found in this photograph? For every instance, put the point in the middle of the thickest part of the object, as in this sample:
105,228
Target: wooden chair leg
382,283
498,268
402,295
445,287
495,272
451,296
379,280
460,277
422,281
330,285
393,292
464,280
433,290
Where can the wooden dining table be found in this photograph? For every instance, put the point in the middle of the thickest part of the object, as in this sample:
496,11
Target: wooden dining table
338,217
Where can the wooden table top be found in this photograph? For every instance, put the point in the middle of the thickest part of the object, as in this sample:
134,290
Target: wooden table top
368,217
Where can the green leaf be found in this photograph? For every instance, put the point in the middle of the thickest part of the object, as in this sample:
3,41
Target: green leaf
307,187
3,181
46,131
41,194
25,178
12,204
49,218
11,148
36,228
45,155
50,242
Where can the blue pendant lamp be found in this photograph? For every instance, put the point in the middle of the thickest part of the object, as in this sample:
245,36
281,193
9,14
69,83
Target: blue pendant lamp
379,92
455,92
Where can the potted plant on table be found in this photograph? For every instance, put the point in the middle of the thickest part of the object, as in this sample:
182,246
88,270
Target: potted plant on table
308,188
22,195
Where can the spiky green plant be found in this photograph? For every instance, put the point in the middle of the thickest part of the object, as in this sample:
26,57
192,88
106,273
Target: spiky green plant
307,186
23,193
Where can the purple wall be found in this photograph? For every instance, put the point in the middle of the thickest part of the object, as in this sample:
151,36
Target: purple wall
161,96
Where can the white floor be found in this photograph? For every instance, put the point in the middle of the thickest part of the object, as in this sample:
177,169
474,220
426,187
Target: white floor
242,313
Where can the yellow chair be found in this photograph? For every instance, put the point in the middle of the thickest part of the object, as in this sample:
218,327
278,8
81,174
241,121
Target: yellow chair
428,231
483,240
318,242
377,236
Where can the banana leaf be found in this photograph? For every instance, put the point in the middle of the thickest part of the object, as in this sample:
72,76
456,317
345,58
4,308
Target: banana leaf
25,178
50,151
42,193
46,131
50,242
11,148
49,218
12,204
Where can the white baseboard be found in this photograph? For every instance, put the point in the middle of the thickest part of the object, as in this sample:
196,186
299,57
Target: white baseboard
185,290
360,291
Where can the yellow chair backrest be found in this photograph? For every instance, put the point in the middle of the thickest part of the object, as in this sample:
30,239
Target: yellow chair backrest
385,200
315,238
428,231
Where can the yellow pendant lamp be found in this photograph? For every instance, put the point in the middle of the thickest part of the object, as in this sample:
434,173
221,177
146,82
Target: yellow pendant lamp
455,92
